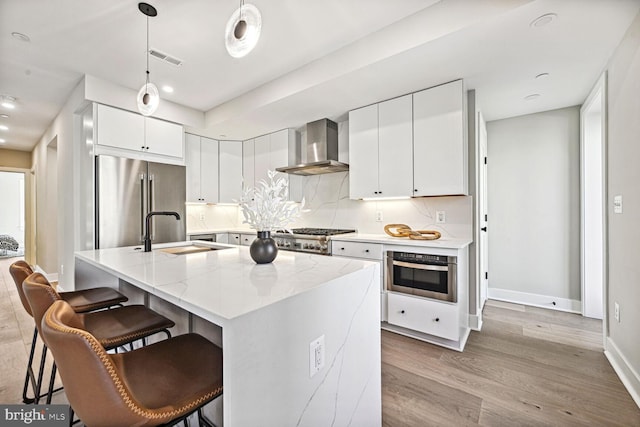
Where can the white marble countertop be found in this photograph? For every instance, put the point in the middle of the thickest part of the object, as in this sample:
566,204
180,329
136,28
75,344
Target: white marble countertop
443,242
223,230
223,284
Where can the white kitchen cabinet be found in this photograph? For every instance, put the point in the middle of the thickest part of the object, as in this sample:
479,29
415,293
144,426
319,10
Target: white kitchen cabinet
141,137
202,169
247,239
230,171
380,150
268,152
234,239
222,237
248,163
439,142
119,129
163,138
422,315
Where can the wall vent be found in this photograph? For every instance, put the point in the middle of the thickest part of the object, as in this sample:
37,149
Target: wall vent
165,57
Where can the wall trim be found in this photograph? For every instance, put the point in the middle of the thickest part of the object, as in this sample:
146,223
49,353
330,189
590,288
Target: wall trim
475,322
629,377
536,300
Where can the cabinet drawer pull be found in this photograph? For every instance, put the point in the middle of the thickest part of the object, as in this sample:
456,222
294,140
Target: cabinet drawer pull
366,250
437,319
401,311
342,249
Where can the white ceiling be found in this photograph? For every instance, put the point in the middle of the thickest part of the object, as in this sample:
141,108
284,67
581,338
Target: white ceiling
314,59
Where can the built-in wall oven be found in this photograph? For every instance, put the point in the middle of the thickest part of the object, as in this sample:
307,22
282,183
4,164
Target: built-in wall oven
430,276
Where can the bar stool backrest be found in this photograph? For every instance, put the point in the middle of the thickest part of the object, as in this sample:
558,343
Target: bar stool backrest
20,270
90,375
40,295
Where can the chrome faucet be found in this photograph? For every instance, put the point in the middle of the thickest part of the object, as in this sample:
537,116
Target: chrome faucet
147,237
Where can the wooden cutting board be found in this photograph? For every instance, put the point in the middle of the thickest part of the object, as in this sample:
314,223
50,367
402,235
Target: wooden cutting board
181,250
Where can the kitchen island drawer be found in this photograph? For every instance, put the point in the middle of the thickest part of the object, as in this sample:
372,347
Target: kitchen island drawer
357,250
424,315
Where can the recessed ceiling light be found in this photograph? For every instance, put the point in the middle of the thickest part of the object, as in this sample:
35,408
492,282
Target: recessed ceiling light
2,141
4,116
532,97
167,89
8,102
223,135
543,20
20,36
3,127
542,76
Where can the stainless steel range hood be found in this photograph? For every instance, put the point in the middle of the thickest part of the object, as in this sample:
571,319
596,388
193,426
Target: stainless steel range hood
322,151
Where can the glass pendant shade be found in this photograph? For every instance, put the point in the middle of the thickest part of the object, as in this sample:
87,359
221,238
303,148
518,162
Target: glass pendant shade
243,30
148,104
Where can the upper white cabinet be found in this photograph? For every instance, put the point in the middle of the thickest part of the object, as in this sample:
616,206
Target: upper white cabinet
124,130
119,128
268,152
202,169
439,141
380,150
230,171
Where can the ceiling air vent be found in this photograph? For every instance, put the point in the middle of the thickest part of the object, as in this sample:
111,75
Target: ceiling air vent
165,57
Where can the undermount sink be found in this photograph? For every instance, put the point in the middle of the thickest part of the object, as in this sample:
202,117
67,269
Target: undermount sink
190,249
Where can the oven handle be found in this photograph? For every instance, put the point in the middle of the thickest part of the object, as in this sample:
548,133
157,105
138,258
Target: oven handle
429,267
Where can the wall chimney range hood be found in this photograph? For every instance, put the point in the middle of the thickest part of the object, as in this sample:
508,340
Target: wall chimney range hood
322,151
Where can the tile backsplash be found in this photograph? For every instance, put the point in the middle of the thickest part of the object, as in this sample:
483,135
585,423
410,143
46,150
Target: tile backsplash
327,205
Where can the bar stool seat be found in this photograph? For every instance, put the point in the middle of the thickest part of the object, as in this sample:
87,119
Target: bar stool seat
112,328
159,384
82,301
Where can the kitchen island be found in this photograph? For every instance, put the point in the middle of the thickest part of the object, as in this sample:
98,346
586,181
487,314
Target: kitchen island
265,318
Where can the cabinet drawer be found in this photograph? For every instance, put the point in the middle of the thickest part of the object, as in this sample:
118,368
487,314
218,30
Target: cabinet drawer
357,250
430,317
247,239
234,239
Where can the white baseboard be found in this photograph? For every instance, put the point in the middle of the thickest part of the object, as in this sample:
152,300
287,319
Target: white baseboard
624,370
475,322
50,277
536,300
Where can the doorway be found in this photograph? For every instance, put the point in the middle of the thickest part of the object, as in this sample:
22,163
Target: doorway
12,219
593,205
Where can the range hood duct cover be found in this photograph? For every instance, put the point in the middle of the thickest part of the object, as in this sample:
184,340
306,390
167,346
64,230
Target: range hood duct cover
322,151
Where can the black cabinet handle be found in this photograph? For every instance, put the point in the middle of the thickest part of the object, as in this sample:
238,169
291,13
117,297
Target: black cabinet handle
342,249
401,311
366,250
415,190
483,229
437,319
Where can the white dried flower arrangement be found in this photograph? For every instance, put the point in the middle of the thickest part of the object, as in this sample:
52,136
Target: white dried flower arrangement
270,209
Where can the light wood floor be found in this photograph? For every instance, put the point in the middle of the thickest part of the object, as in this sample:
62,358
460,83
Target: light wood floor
528,367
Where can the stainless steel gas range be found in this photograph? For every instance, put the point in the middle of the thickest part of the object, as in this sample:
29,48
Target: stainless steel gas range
311,240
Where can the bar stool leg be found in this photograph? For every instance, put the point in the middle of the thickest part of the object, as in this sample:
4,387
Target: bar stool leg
43,359
30,376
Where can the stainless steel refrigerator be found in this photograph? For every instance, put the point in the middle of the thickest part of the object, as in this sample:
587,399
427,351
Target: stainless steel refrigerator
126,190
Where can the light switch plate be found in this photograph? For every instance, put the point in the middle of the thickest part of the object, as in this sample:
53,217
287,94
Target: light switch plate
441,217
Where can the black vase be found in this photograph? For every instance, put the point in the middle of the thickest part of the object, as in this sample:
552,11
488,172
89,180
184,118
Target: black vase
263,250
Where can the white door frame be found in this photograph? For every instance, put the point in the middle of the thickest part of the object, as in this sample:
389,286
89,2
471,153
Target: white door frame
594,279
483,213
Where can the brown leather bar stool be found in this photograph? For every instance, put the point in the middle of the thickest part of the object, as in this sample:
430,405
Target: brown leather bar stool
161,383
112,328
82,301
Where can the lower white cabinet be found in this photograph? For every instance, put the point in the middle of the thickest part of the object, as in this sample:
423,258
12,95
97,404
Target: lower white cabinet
233,239
247,239
422,315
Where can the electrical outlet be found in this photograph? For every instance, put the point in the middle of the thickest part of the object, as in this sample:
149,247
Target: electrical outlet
378,216
617,204
616,311
316,356
201,216
441,217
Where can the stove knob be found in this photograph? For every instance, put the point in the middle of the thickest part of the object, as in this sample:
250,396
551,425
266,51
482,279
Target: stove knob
317,247
287,245
305,246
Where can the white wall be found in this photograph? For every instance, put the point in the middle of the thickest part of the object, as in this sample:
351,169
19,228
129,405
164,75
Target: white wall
623,177
534,211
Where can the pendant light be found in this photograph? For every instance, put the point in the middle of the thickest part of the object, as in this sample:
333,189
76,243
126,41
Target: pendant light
148,96
243,30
